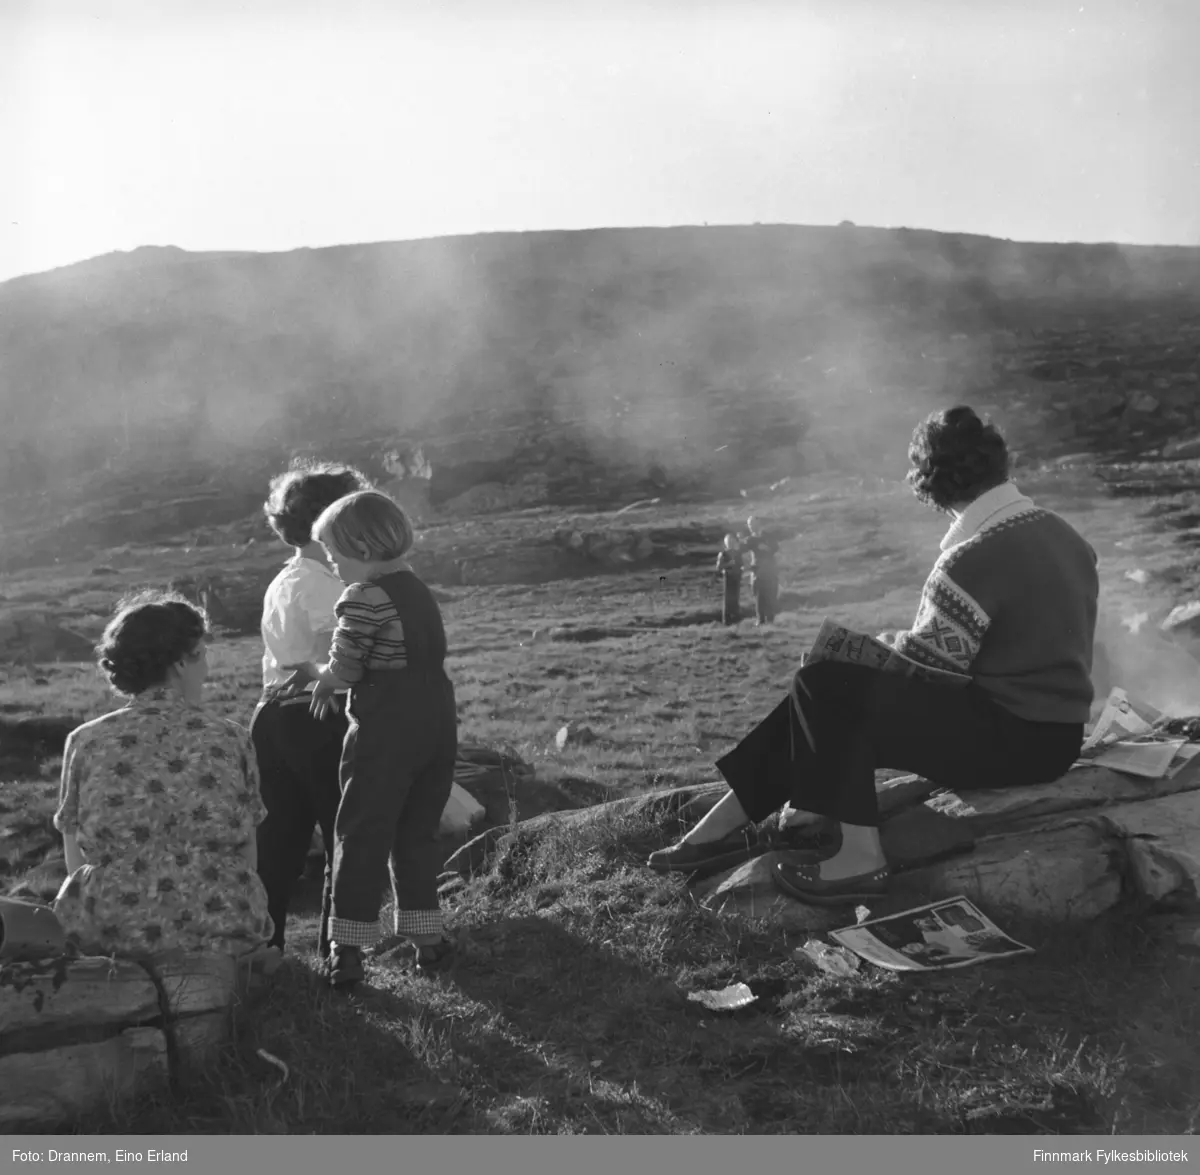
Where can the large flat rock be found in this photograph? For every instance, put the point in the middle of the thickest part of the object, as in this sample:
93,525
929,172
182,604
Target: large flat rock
1161,838
1068,873
749,892
1063,874
1060,852
1082,789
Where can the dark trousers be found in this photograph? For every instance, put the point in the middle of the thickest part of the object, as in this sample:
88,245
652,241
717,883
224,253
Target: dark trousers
861,719
397,770
298,761
731,604
766,597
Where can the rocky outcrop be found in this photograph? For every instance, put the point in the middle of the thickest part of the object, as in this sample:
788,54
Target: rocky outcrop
1061,852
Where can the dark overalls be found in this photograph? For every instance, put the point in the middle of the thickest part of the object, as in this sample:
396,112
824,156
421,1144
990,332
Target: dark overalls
397,769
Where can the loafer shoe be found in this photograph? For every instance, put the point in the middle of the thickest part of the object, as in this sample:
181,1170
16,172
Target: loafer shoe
740,845
802,880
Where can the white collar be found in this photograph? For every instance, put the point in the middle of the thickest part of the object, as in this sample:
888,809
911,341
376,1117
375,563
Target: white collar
987,510
298,560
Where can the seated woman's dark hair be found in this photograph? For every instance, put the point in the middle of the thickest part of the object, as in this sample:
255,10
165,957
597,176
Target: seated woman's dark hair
956,457
298,497
150,632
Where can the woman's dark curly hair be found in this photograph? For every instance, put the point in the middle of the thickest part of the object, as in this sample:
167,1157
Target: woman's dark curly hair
956,457
299,496
150,632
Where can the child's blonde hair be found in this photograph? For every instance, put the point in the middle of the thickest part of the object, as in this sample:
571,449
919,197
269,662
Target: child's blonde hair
366,525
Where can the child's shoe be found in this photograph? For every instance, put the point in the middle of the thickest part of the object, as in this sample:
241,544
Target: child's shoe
435,956
429,957
345,967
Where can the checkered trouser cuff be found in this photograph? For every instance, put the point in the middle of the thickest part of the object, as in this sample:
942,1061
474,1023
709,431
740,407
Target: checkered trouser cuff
354,934
419,922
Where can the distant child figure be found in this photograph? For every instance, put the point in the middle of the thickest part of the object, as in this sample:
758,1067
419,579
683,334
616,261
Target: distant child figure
298,755
764,580
397,765
729,567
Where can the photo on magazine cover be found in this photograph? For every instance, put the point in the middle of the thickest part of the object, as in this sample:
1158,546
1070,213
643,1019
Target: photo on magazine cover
951,933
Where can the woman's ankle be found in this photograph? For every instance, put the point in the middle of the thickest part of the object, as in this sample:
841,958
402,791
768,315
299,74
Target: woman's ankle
701,835
722,820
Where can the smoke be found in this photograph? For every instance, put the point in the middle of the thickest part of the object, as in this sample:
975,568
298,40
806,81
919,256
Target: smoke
1144,662
687,348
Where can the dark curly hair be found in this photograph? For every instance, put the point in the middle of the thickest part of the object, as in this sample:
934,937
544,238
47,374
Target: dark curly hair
956,457
150,632
298,496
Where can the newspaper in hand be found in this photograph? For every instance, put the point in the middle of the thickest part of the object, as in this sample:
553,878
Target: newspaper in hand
837,643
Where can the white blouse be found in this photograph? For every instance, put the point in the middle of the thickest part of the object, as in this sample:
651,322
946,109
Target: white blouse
298,619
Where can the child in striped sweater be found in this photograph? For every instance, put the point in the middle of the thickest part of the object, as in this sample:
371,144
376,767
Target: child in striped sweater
397,768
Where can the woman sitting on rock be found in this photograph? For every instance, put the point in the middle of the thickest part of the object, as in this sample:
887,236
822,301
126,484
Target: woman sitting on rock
159,801
1011,602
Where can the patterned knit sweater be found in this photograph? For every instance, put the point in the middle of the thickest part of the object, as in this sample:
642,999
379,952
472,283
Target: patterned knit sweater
1012,601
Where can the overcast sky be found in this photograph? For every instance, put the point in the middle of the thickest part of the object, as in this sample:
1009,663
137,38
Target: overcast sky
272,124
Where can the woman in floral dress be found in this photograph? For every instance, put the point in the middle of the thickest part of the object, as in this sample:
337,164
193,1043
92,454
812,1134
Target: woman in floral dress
160,801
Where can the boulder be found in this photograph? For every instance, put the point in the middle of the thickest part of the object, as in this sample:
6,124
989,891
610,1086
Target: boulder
1060,852
78,1035
1161,838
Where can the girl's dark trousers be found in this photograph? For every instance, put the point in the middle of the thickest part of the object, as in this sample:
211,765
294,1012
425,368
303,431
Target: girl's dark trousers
298,763
397,769
861,719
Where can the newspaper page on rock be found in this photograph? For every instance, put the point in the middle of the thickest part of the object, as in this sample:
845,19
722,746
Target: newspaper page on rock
834,642
1124,738
950,933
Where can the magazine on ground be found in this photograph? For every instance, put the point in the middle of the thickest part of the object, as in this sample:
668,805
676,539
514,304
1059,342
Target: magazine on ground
945,934
835,642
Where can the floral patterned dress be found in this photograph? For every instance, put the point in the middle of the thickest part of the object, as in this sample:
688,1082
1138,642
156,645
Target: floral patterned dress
164,801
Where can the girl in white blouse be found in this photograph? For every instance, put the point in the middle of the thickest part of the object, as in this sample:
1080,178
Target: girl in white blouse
298,754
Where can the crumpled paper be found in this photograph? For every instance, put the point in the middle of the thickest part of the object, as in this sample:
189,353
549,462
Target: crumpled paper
728,999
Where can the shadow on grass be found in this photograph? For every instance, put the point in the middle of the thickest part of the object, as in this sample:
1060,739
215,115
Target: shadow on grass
566,1011
353,1067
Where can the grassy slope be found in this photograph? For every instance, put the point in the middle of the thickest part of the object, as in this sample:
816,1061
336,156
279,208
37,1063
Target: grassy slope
566,1011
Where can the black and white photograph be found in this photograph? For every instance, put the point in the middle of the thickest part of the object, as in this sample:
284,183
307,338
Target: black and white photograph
521,518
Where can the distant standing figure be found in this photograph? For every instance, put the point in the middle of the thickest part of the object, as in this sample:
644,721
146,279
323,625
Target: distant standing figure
764,578
160,801
397,768
298,754
729,568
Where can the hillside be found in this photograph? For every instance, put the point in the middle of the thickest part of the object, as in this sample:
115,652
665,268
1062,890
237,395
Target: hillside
564,368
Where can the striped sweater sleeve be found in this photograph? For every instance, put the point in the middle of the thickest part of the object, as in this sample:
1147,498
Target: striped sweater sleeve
361,612
950,623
